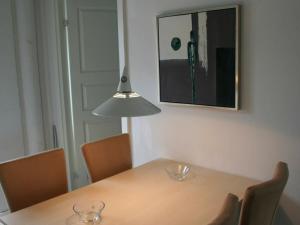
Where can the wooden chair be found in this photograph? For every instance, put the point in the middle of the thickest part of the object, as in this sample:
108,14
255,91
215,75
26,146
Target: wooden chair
105,158
33,179
229,214
261,201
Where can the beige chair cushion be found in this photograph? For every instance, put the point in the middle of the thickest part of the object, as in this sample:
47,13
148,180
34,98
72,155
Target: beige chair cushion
229,213
30,180
261,201
107,157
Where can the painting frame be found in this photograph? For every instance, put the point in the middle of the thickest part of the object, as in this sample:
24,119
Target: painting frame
237,59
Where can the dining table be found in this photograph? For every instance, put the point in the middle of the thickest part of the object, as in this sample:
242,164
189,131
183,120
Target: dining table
145,195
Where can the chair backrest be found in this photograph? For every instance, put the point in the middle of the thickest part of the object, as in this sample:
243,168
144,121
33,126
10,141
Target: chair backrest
107,157
33,179
261,201
229,214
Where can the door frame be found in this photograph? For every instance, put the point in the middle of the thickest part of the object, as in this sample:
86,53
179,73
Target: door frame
51,22
63,98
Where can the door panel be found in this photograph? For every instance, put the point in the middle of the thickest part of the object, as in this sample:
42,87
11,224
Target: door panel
94,42
94,73
103,129
93,93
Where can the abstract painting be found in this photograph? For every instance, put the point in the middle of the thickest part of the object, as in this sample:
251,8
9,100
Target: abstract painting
198,57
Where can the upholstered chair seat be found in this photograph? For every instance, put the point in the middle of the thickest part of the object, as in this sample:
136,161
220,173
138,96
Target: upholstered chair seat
261,201
229,214
107,157
33,179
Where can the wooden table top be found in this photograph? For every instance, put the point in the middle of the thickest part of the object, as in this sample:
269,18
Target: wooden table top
143,196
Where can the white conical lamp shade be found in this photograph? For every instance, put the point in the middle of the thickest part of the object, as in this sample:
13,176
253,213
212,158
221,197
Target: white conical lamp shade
126,103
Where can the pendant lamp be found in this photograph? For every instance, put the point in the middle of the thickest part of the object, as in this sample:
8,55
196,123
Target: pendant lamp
126,103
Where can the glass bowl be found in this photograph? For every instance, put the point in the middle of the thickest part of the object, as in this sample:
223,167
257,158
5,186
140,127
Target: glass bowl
88,212
178,171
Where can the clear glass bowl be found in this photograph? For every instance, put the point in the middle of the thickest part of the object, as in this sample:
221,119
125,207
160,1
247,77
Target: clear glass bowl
88,212
178,171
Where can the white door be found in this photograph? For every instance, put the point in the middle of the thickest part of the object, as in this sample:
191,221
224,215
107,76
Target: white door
94,73
11,129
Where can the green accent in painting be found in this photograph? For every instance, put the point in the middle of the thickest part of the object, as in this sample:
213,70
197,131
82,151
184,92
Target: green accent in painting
176,43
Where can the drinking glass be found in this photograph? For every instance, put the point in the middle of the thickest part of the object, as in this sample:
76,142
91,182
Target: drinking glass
89,213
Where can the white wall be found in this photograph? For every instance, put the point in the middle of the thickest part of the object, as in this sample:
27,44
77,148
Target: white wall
11,126
29,76
249,142
21,126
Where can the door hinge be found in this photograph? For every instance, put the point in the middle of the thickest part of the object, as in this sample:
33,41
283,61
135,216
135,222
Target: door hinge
66,23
